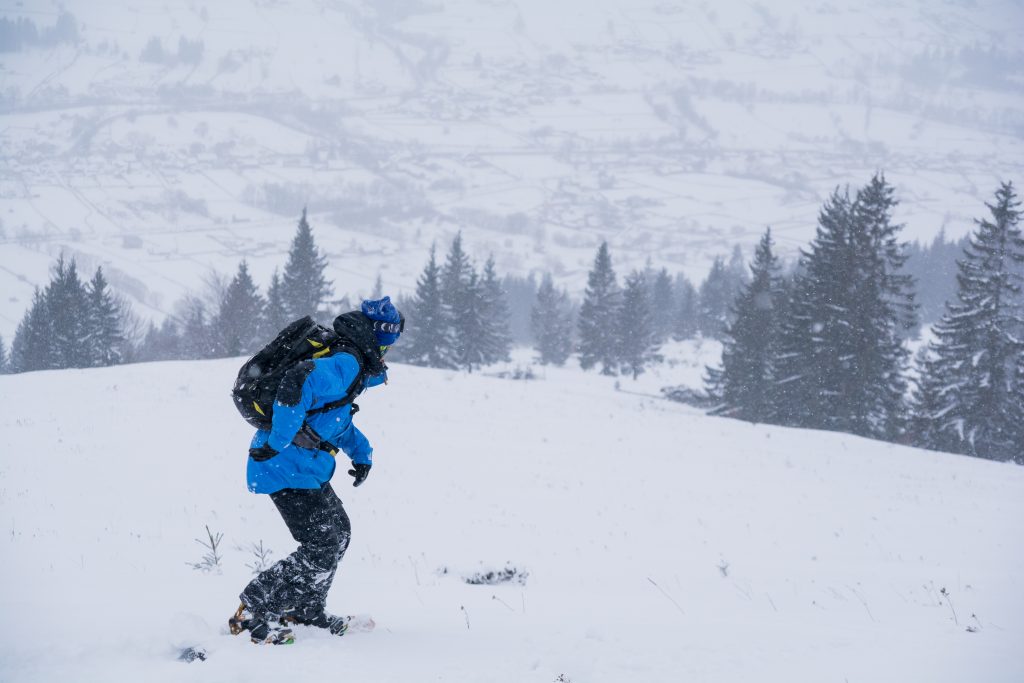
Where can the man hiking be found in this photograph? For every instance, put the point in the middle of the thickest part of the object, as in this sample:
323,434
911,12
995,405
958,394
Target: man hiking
293,462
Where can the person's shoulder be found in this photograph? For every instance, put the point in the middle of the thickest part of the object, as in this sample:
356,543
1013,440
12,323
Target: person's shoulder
343,363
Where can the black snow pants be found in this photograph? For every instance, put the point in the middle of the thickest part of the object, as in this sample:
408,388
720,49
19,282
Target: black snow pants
298,584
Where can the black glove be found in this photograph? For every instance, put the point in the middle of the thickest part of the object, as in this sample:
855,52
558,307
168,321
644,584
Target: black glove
263,453
359,472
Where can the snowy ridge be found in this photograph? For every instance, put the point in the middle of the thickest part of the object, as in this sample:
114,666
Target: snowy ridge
657,544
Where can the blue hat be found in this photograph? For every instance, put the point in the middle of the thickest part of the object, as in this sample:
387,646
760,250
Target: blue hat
388,323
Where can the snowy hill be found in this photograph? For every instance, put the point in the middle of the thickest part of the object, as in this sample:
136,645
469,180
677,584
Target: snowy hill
656,544
162,140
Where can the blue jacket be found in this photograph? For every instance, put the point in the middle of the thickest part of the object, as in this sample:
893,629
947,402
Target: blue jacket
303,468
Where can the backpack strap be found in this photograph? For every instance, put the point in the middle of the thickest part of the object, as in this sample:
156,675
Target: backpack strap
307,437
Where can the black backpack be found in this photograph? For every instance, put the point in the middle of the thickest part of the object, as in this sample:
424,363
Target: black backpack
259,379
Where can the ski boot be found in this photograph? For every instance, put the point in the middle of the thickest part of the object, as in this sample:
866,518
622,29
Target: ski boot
261,631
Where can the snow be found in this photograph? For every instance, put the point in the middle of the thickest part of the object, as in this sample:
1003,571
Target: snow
660,544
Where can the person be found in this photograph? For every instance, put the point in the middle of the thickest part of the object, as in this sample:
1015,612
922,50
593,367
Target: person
292,462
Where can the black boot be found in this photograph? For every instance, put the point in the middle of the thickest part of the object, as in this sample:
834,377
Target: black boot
261,630
337,625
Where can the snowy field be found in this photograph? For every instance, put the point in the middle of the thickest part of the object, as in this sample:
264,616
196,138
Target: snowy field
656,544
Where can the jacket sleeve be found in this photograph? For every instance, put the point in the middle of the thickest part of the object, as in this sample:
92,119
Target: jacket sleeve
356,446
294,398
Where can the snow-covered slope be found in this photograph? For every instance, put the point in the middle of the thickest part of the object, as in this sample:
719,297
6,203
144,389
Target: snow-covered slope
657,544
172,138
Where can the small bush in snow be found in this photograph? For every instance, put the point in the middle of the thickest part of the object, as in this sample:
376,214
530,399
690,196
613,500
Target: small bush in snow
509,574
211,560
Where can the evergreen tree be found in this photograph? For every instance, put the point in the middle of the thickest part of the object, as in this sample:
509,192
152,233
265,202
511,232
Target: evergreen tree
470,324
714,299
275,313
970,395
30,349
885,315
304,286
197,337
521,295
842,360
496,341
67,305
745,385
428,341
550,319
598,316
105,330
663,305
685,324
240,315
378,288
4,360
636,334
460,305
161,343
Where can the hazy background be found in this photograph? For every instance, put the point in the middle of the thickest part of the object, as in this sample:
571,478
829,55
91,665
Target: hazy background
165,141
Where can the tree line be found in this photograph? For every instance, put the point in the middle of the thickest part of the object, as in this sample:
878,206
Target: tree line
824,347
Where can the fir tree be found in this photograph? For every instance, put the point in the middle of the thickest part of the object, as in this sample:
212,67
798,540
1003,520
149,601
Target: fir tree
4,360
460,305
685,324
161,343
970,395
636,335
714,299
196,337
378,288
30,349
550,319
67,305
598,315
105,330
304,286
275,313
663,305
745,386
470,324
240,315
496,341
842,360
427,338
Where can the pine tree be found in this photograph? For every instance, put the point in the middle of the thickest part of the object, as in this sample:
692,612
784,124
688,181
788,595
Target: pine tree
663,305
551,323
67,305
304,286
240,315
427,339
685,324
470,324
598,315
460,306
104,330
378,288
30,349
636,337
161,343
496,341
4,359
275,313
842,360
745,385
970,396
714,299
196,337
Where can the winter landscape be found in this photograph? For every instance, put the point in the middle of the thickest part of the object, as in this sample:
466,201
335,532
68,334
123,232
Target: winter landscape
710,364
